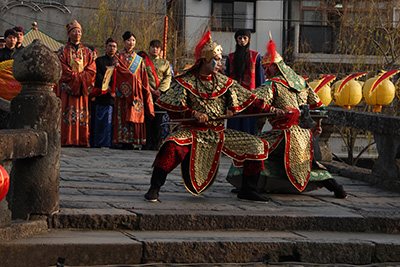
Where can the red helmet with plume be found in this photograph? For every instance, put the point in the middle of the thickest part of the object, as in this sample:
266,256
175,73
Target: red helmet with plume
271,56
206,48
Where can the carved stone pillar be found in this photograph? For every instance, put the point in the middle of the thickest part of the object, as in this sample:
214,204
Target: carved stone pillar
35,180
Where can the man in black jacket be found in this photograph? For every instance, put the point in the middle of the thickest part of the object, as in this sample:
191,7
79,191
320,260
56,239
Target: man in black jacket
8,51
104,93
2,42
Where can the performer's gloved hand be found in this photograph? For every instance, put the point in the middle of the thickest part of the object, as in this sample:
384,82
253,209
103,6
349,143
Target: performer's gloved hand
229,112
201,117
317,129
279,112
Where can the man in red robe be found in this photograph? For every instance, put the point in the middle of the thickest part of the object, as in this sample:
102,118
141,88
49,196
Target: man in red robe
78,73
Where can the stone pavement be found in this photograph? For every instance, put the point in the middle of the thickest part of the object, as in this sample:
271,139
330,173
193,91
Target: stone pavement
104,220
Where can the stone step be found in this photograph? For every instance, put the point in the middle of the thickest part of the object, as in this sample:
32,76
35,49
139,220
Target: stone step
21,229
322,219
88,248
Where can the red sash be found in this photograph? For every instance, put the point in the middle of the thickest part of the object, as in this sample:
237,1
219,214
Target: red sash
153,69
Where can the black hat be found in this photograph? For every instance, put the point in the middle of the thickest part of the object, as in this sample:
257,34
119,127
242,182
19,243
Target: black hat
243,32
10,32
2,40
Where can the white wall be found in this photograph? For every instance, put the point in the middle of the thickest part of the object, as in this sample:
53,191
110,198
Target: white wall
196,22
269,16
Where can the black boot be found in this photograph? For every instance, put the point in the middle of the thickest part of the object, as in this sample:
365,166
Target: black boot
157,180
334,187
248,191
235,190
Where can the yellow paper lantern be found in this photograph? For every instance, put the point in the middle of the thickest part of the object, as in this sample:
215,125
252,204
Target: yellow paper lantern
379,91
324,92
347,93
322,88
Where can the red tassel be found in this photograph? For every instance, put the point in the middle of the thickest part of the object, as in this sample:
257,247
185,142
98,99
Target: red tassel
292,117
200,45
271,48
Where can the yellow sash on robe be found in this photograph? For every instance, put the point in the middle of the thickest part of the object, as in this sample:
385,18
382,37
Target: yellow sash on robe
107,78
77,61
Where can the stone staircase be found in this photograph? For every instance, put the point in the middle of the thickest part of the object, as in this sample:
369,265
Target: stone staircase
103,220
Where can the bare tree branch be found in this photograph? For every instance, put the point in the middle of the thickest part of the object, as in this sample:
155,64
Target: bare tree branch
362,152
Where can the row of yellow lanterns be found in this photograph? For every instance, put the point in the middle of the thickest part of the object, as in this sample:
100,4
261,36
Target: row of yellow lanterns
377,91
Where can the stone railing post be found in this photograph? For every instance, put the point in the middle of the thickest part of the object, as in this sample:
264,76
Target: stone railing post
388,147
323,151
35,180
386,131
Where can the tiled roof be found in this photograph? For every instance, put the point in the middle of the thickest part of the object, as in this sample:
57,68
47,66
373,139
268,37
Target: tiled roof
47,40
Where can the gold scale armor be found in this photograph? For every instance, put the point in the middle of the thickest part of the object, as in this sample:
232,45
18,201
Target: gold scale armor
289,91
298,141
212,96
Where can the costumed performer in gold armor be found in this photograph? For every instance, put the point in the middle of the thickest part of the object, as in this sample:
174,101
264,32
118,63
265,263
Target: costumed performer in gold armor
290,167
205,94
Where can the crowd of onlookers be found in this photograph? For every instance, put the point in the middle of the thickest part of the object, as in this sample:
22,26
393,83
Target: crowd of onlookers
107,100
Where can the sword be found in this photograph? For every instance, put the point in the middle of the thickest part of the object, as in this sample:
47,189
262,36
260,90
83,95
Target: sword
227,117
258,115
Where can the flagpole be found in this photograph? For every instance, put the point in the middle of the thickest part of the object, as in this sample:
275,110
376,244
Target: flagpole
165,37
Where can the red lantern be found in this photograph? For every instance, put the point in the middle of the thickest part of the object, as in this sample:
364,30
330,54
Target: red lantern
4,182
